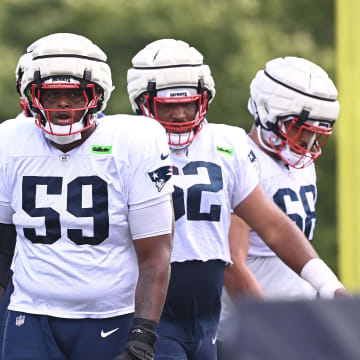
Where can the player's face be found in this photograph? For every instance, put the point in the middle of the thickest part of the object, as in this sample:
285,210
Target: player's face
301,137
64,101
176,112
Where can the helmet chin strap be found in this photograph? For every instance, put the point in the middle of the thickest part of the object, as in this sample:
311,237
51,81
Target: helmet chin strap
292,157
182,138
65,129
59,129
265,134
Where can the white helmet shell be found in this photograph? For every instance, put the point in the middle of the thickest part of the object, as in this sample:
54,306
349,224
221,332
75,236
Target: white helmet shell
70,55
289,85
23,62
169,63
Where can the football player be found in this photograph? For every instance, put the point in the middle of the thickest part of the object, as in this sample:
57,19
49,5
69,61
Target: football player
94,227
8,240
19,72
215,172
294,105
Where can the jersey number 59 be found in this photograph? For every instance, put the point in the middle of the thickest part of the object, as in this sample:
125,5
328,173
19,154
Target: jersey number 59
99,210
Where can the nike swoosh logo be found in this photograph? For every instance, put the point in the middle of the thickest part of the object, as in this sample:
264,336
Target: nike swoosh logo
105,334
213,340
163,157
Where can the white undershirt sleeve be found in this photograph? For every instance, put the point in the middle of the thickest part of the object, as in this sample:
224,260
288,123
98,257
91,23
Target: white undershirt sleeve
151,218
6,213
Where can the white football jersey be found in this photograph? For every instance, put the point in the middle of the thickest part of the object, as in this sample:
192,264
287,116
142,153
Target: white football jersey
20,116
75,256
211,177
293,190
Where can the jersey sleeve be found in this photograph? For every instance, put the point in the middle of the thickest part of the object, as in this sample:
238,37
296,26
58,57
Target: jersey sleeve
6,210
247,174
150,166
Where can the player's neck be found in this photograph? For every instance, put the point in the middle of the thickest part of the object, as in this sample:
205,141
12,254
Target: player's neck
254,136
67,147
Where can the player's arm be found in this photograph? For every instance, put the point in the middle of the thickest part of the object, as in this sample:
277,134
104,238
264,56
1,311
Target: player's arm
239,280
7,247
287,241
154,271
153,254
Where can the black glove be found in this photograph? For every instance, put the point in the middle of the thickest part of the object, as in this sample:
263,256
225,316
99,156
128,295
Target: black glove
141,341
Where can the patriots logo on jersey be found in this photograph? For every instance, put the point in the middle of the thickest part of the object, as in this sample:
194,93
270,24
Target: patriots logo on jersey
252,156
160,176
253,159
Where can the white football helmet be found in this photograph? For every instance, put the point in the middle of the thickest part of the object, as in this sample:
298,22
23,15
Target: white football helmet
67,61
293,95
23,62
171,71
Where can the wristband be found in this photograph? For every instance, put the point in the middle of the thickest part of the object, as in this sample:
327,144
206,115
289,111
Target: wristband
147,323
321,277
141,340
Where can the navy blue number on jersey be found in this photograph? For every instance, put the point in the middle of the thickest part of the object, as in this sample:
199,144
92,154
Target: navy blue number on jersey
99,211
309,221
193,201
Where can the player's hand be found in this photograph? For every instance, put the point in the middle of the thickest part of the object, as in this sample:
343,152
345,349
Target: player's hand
341,292
141,341
136,353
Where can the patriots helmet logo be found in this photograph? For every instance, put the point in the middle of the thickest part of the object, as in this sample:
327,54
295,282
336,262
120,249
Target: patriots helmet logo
160,176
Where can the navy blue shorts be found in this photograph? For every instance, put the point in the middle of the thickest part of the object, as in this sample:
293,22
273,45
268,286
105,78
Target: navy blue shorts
168,348
187,329
3,310
41,337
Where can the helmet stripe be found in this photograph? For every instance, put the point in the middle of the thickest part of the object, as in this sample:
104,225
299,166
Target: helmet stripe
166,66
69,56
297,90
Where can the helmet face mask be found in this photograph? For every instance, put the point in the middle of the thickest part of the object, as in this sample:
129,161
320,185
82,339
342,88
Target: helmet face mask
180,132
90,93
299,144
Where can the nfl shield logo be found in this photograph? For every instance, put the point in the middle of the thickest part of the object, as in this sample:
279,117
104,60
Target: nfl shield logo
64,158
20,320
